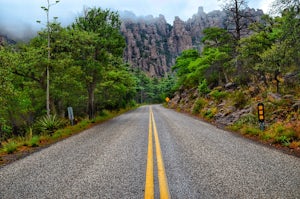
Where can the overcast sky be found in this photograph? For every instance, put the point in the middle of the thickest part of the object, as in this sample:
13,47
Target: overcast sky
20,16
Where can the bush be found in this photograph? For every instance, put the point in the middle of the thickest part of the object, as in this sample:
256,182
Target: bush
210,113
239,99
10,147
249,119
34,141
251,131
203,88
199,104
284,140
49,124
266,136
218,95
5,132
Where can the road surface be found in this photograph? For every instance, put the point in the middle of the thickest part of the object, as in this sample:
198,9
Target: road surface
193,158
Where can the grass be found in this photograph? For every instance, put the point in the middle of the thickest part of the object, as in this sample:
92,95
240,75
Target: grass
10,147
254,131
218,95
34,141
48,137
199,104
210,113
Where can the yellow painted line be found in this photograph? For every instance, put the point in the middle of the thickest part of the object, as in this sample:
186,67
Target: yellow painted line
149,185
162,178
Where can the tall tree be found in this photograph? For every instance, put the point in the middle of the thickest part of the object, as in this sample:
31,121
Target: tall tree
98,38
47,10
263,37
279,6
238,16
224,45
238,19
181,66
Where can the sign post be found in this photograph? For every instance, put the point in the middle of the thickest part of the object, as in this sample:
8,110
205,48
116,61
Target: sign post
71,115
167,99
261,116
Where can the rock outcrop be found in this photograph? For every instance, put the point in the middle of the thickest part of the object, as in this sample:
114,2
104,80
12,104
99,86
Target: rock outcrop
4,40
153,44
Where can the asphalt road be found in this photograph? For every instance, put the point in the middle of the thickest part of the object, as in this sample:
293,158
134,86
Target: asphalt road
109,161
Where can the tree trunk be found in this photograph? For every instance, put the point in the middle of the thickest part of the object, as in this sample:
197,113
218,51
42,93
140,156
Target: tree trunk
225,76
277,81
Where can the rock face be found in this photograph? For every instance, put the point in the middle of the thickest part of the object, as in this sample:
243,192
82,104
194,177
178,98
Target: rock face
153,44
5,40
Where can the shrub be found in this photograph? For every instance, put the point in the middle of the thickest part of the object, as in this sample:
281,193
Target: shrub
10,147
49,124
218,95
284,140
58,134
5,131
83,124
294,145
34,141
284,131
210,113
203,88
199,104
239,99
251,131
249,119
266,136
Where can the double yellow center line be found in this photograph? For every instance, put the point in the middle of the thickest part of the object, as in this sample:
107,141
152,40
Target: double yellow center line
162,178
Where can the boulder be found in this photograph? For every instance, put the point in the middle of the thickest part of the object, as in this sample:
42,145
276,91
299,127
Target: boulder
274,97
225,117
230,85
296,105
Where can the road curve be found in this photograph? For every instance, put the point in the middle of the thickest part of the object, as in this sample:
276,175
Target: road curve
109,161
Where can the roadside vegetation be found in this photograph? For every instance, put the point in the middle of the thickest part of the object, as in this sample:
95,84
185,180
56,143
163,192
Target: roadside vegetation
86,72
237,68
240,67
51,130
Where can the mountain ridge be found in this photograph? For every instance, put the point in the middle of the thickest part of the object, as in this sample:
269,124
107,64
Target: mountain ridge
153,44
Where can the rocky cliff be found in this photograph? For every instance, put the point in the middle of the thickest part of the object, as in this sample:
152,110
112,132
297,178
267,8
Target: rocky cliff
4,40
153,44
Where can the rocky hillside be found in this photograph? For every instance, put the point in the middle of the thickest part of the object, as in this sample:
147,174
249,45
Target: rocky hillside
5,40
153,44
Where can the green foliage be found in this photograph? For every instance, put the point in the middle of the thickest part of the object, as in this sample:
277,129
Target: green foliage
239,99
5,131
34,141
251,131
10,147
203,88
210,113
283,140
49,124
181,66
199,104
218,95
153,90
248,121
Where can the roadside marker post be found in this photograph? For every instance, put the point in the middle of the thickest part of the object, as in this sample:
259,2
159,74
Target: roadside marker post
261,115
71,115
167,99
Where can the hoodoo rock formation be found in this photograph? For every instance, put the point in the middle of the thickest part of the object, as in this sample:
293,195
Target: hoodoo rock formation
153,44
